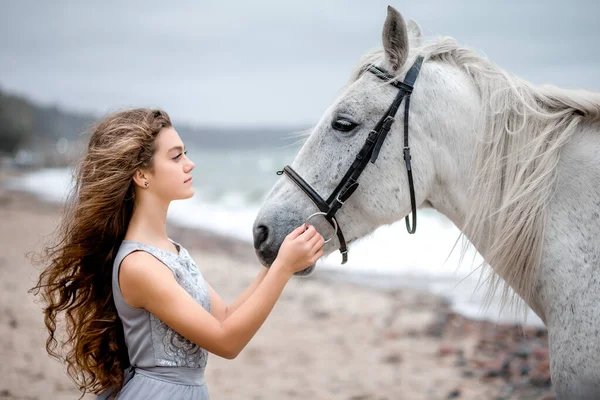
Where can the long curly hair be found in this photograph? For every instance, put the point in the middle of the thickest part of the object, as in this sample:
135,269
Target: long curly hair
76,278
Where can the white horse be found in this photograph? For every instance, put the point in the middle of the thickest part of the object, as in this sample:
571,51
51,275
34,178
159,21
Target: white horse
515,167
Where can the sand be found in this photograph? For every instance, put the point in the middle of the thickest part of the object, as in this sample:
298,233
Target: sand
325,339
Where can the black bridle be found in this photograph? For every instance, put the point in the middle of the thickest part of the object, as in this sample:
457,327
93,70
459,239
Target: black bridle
369,152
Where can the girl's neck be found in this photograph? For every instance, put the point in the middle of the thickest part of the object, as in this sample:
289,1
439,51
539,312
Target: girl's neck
148,222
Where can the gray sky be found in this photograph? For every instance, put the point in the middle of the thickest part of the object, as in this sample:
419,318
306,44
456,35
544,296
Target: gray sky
263,62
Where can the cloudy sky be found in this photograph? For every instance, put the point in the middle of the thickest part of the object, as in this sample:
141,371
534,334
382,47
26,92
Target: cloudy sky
264,62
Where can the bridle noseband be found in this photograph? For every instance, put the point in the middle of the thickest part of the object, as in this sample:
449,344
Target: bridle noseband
369,152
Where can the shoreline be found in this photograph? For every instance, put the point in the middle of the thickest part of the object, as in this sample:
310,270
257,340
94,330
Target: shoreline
464,293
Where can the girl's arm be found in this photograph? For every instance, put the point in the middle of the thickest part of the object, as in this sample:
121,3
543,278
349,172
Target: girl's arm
220,310
147,283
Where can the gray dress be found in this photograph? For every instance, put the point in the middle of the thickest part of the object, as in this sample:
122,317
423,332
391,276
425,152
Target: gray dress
164,364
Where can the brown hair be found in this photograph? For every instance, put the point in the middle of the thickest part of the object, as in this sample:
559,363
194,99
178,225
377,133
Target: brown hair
77,274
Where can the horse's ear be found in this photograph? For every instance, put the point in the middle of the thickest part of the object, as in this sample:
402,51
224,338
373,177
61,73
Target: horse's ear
395,38
415,35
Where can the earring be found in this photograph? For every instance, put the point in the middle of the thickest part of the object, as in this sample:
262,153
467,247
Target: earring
146,184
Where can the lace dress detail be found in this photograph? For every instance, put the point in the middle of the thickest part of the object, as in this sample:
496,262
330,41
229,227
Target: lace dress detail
170,348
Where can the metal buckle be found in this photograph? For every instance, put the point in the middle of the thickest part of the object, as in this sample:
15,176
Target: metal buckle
335,225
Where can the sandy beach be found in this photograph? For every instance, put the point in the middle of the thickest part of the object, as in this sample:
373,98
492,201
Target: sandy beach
326,338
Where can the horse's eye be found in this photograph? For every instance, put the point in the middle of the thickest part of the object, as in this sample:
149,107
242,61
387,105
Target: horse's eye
343,125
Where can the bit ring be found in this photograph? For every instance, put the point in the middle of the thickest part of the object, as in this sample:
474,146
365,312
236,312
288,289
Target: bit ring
335,225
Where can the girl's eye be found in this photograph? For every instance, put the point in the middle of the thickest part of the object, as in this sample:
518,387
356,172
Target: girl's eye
179,155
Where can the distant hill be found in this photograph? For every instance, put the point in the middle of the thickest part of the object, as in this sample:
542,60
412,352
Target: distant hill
27,125
220,137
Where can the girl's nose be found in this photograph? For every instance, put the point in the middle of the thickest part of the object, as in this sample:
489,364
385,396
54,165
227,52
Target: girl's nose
190,166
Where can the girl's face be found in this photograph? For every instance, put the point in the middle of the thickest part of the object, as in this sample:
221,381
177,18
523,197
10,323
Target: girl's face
171,179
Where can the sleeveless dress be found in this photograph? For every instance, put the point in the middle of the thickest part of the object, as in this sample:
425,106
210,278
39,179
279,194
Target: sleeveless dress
164,364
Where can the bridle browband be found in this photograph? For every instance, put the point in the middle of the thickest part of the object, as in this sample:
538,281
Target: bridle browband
369,152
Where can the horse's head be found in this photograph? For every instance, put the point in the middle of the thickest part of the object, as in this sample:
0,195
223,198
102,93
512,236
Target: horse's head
383,194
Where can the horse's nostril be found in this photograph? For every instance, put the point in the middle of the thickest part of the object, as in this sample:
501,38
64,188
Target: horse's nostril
261,233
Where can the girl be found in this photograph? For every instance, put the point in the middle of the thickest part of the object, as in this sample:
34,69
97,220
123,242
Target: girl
139,316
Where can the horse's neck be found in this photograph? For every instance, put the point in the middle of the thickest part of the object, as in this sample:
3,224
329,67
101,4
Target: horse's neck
450,131
454,144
